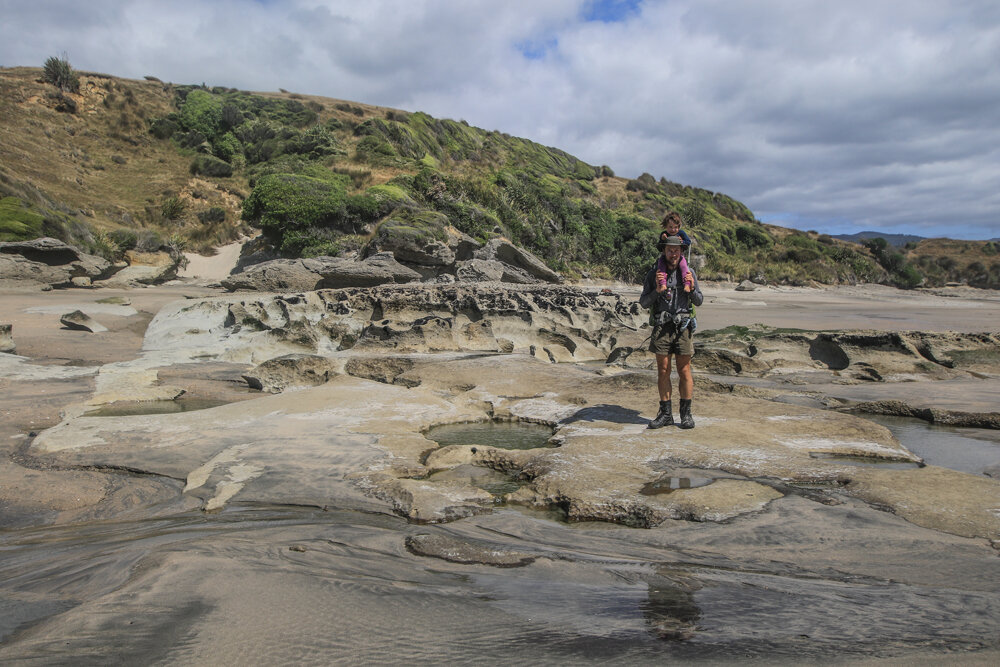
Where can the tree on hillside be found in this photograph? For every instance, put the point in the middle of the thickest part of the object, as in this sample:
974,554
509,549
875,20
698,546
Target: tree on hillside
58,72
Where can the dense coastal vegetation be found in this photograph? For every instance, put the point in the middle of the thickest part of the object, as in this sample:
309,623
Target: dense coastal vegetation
111,164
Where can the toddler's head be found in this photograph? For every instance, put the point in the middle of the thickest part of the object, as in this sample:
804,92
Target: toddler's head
671,223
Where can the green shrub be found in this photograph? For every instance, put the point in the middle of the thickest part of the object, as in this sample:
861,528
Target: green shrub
695,215
801,255
201,112
321,248
163,128
231,117
908,277
280,203
947,263
753,237
18,222
316,142
148,240
190,139
645,183
103,245
374,146
58,72
343,106
227,147
172,207
212,215
209,165
125,239
893,262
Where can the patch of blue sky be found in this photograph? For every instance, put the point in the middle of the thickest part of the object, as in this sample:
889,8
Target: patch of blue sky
537,49
610,11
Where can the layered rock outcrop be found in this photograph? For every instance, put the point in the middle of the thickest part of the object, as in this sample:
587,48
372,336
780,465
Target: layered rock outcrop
850,356
396,254
49,261
552,322
302,275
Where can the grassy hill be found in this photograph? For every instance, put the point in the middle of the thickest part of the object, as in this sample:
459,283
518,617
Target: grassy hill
124,163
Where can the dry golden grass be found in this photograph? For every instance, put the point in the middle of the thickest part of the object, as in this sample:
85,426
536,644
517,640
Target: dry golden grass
75,158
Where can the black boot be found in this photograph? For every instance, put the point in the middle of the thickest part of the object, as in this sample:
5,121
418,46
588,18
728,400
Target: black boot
687,421
664,418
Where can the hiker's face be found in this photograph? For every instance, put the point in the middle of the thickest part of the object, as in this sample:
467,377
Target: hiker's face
672,254
672,227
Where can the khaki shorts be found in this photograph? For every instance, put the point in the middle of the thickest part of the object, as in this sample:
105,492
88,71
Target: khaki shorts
666,340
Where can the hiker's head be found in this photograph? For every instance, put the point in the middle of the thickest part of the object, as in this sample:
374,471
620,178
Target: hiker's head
672,248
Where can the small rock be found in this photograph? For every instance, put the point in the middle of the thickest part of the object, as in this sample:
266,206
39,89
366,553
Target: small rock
460,551
81,321
746,286
81,281
7,338
291,370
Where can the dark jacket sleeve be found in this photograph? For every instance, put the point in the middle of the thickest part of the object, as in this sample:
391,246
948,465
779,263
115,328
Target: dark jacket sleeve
648,296
695,296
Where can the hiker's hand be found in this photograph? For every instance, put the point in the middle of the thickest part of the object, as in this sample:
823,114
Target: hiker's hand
688,281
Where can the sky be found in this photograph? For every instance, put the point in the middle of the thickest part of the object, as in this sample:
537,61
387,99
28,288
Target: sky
835,116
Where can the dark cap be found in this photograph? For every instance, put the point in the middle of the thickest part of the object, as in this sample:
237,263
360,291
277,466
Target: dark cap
669,240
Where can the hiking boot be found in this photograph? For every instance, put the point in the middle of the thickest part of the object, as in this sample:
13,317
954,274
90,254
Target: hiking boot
664,417
687,421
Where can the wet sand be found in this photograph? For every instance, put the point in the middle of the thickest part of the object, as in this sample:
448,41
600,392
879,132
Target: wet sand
113,566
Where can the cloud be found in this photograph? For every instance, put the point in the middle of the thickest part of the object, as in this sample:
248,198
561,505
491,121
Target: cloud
833,116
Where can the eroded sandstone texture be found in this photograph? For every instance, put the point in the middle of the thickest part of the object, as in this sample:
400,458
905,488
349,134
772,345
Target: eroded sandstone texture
374,369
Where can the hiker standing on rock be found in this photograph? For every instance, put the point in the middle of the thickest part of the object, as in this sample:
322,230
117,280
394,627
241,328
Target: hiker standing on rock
672,298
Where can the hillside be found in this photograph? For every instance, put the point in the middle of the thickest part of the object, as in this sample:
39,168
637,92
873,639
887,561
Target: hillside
896,240
125,163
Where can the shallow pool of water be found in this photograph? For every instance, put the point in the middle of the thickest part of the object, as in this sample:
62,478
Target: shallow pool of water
963,449
491,481
505,435
131,409
671,484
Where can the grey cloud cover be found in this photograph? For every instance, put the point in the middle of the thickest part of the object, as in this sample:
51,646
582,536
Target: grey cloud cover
836,116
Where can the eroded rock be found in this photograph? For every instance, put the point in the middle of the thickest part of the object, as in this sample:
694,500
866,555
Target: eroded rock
294,275
48,261
933,415
81,321
455,550
146,268
851,356
7,339
504,251
571,323
276,275
382,369
292,370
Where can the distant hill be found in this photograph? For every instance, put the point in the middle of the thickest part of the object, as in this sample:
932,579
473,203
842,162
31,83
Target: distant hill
897,240
121,164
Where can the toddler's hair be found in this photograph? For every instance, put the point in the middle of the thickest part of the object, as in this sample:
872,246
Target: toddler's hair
671,216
